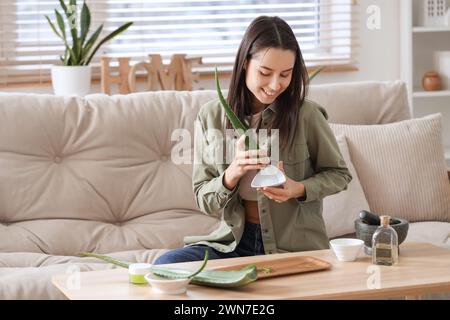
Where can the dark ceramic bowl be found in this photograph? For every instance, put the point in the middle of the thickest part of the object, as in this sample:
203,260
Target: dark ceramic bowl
365,232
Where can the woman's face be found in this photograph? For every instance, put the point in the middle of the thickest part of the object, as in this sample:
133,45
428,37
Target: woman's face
268,74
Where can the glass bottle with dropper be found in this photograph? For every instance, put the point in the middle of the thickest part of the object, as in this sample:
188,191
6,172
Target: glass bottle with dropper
385,244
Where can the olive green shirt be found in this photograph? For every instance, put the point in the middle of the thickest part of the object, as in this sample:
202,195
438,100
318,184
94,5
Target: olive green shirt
293,225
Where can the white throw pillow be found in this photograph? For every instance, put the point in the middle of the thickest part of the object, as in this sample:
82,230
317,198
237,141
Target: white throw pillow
401,167
341,209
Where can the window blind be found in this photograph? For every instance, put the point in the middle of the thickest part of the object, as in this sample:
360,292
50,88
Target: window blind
212,29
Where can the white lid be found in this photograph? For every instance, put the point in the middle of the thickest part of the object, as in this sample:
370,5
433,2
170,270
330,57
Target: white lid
139,268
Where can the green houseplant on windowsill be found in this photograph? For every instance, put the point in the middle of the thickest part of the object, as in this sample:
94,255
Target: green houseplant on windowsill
73,77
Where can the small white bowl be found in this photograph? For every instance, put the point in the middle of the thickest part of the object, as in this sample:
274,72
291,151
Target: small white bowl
346,249
167,286
270,176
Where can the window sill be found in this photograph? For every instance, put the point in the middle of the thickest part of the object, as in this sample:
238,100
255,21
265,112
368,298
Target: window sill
203,76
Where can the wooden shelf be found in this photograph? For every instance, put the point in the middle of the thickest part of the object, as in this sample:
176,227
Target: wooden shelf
429,94
431,29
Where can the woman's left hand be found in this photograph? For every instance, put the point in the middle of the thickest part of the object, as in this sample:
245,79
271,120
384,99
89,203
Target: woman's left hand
290,189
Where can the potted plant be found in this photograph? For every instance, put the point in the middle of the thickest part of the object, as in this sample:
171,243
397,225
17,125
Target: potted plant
73,77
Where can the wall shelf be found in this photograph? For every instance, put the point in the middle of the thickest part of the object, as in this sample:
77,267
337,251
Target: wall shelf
431,29
418,46
429,94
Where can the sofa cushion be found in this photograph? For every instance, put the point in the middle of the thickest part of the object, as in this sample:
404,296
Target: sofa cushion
437,233
341,209
70,236
363,102
96,173
401,167
25,275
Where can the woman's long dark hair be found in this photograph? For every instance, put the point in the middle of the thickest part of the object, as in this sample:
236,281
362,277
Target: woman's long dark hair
270,32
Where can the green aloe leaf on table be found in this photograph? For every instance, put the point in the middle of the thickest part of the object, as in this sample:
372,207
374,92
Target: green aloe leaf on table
212,278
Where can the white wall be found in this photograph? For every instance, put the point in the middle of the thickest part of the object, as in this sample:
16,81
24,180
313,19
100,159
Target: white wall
379,51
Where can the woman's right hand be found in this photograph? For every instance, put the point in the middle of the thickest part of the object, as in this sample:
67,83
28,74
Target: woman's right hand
244,161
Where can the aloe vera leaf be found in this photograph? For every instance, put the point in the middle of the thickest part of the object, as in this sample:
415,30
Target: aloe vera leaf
232,279
161,271
205,261
235,122
315,72
213,278
119,263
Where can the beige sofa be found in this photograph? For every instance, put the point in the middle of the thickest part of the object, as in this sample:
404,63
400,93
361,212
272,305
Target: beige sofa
96,174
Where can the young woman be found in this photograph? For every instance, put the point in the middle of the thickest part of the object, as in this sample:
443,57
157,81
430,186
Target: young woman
267,91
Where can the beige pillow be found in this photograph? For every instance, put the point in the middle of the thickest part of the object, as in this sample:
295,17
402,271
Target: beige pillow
401,167
341,209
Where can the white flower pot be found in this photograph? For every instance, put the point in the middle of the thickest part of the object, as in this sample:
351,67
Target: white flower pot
71,80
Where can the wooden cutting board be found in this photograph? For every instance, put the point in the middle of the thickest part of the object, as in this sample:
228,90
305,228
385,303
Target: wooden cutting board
282,266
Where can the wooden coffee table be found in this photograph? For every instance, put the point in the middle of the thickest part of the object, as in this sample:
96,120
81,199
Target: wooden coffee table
422,269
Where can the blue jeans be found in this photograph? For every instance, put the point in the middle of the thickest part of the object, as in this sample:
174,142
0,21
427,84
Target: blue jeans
250,245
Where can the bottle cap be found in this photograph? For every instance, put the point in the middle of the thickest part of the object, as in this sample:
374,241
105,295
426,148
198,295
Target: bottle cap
384,220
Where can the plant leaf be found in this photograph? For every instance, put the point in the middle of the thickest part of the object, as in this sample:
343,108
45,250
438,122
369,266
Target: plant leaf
119,263
315,72
53,26
235,122
212,278
205,261
71,55
68,60
85,23
63,5
72,20
108,37
89,44
66,57
61,25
